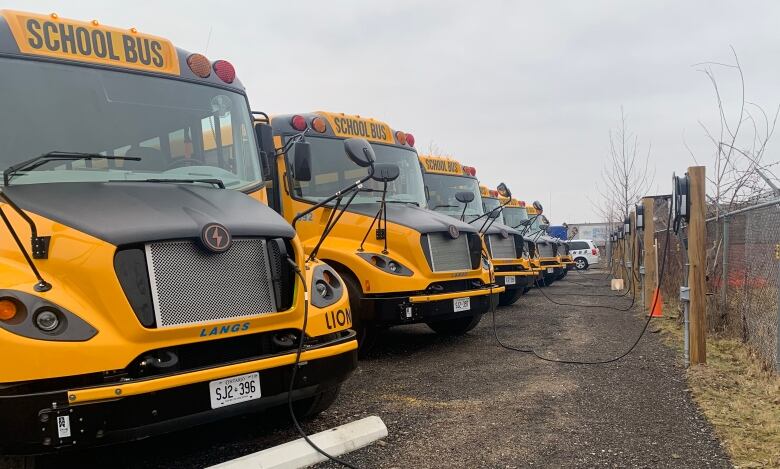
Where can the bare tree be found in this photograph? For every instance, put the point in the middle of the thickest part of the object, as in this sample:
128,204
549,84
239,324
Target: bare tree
738,172
626,177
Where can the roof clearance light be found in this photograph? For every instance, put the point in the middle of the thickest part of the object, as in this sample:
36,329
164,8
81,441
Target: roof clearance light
493,193
522,203
225,71
318,124
401,137
199,65
410,140
470,170
7,310
298,123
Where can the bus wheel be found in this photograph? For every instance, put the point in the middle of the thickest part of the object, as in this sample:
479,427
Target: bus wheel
457,326
509,297
18,462
315,405
366,332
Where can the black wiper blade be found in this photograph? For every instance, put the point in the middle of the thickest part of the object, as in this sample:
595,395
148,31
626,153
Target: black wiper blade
212,181
40,160
402,202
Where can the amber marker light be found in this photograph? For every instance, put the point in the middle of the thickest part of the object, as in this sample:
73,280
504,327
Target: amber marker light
8,309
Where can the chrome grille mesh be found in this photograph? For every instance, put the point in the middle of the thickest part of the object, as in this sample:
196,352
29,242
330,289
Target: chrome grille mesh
545,250
191,285
502,248
447,253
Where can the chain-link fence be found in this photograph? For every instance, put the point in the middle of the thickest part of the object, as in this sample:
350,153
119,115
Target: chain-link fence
743,274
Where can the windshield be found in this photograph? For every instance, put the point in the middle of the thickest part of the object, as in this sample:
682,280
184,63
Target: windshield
179,130
489,204
441,195
332,170
515,216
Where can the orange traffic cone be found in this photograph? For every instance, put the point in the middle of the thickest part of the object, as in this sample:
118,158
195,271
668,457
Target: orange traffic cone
657,304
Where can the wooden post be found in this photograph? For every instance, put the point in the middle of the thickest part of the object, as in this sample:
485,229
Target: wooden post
697,237
651,282
632,254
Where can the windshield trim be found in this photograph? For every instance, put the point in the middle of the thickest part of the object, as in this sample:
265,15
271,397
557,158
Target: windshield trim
248,188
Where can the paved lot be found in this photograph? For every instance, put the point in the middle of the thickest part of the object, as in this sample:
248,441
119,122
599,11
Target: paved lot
465,402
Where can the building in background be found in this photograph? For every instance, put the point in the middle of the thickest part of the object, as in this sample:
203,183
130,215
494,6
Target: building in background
598,232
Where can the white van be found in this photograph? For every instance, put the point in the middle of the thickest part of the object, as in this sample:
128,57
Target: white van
584,253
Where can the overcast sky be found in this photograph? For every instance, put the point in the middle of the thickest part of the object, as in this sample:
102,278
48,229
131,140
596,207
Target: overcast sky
525,91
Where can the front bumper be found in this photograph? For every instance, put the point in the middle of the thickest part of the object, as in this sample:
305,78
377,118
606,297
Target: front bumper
147,407
523,279
388,311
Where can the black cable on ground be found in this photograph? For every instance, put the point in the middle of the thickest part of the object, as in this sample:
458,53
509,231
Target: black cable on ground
295,369
597,362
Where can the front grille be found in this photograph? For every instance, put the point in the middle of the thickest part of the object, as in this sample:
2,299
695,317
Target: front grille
191,285
447,253
502,248
545,250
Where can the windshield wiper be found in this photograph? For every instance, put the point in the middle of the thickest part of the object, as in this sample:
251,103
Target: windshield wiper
444,206
402,202
212,181
41,160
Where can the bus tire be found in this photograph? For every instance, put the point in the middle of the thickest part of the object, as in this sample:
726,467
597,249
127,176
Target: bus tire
509,297
458,326
366,332
317,404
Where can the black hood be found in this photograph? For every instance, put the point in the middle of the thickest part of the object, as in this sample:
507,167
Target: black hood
135,212
497,228
419,219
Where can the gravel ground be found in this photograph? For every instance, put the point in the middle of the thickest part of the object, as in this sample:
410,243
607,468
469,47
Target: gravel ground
466,402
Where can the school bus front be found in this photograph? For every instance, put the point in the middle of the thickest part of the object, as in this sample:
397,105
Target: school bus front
447,180
402,262
546,247
141,289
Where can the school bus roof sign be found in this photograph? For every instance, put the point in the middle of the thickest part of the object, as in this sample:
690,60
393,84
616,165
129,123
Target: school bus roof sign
433,164
55,37
347,126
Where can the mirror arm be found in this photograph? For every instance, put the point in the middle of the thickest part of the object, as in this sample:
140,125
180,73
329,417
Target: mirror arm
341,193
331,224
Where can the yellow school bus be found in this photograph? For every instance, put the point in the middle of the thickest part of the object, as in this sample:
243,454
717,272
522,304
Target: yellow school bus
144,285
401,262
546,246
453,189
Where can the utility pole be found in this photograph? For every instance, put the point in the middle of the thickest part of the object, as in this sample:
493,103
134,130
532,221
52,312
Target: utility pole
649,261
697,237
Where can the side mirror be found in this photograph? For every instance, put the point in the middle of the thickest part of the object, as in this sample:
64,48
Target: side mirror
302,161
359,151
504,191
265,139
538,206
464,197
386,172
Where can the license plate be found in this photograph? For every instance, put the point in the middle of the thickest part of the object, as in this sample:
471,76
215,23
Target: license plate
229,391
509,280
461,304
550,270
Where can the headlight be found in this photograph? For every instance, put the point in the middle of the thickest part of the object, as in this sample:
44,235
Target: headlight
47,320
327,287
386,264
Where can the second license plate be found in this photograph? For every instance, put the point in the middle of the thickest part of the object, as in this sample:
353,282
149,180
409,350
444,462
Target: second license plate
550,270
461,304
509,280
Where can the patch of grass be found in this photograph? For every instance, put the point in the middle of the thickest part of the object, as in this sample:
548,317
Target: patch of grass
740,399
